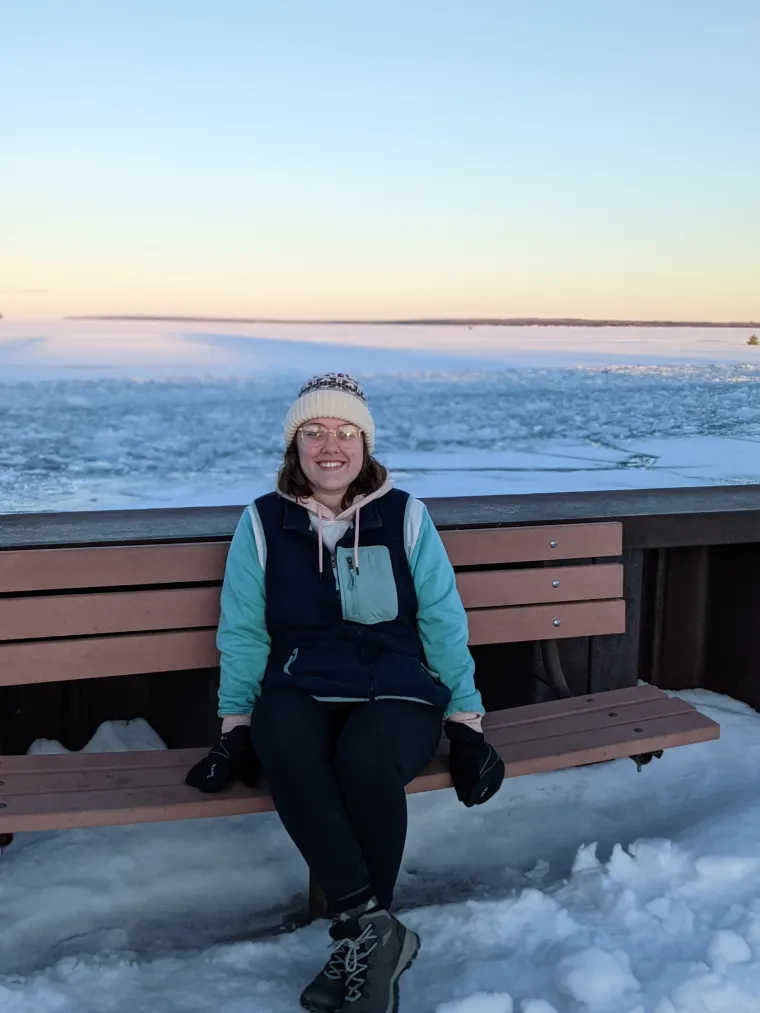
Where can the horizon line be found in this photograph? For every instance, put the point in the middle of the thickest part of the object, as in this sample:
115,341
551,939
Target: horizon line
416,321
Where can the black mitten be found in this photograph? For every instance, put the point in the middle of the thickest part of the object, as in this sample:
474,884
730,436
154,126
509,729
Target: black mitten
232,757
476,768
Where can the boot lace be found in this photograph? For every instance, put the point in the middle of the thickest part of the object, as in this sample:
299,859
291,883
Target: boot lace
335,968
355,962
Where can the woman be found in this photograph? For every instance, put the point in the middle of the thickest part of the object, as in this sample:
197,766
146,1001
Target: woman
343,645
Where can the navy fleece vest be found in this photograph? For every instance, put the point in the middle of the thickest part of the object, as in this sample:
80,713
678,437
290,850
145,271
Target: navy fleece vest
343,634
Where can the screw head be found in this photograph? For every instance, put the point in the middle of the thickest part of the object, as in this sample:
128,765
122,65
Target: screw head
553,544
555,583
557,622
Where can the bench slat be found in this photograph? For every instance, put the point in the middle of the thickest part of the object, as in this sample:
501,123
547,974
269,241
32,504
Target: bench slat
186,650
534,714
102,657
537,712
588,721
539,622
76,615
138,799
484,546
492,588
23,570
88,776
71,615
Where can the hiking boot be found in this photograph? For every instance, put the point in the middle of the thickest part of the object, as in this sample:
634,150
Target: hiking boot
326,993
377,952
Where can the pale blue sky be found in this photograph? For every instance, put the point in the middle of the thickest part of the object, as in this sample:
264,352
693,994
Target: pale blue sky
353,158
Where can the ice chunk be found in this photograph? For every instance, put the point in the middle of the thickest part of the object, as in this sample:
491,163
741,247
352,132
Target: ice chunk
595,977
727,947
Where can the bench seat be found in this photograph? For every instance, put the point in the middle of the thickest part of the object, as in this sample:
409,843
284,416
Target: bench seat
44,792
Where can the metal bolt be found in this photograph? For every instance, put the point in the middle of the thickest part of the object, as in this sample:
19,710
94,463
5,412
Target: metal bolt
553,544
557,622
555,583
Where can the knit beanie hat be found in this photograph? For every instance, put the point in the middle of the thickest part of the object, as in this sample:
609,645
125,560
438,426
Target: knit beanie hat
330,396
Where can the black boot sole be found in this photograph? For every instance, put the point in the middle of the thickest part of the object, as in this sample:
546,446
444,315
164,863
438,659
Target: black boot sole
318,1007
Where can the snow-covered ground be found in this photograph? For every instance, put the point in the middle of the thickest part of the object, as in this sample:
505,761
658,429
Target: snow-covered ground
596,889
97,415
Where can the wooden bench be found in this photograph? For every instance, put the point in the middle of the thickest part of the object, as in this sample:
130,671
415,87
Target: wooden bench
110,611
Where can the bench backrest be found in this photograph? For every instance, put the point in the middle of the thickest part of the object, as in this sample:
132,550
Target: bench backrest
84,613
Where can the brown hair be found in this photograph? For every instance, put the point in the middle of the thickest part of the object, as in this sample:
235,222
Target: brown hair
292,482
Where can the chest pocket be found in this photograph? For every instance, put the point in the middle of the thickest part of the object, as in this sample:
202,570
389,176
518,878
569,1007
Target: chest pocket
369,596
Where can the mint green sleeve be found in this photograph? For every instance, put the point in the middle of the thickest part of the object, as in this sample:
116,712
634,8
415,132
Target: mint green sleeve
242,636
441,618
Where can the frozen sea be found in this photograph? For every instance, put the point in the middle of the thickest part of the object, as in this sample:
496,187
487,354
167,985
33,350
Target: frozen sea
106,414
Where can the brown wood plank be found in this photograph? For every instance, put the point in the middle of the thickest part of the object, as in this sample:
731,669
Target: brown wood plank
23,570
542,755
155,803
539,712
499,588
119,807
48,763
30,618
99,778
482,546
546,622
170,768
101,657
587,721
135,653
534,714
74,615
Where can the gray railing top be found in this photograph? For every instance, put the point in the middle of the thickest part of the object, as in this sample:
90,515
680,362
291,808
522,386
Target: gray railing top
654,518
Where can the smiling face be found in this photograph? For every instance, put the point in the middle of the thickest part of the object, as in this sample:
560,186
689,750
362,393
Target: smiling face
331,454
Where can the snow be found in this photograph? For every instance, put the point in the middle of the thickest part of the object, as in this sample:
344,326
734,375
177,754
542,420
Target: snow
597,889
105,415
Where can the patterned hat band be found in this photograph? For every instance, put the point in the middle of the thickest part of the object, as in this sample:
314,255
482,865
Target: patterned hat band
333,381
332,396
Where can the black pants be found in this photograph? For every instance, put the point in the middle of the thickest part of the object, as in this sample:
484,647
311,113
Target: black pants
337,774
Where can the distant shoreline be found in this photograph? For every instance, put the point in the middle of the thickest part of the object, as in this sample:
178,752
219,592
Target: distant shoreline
446,322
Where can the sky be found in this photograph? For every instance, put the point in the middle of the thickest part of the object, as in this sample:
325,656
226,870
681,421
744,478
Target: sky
403,158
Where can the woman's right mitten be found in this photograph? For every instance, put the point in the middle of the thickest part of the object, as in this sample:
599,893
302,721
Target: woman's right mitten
233,756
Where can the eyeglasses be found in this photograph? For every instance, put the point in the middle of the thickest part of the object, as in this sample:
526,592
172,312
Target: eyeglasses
315,435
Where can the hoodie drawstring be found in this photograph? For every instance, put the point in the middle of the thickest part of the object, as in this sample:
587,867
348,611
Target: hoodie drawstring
356,540
319,539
